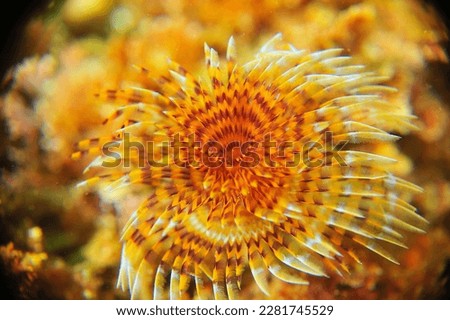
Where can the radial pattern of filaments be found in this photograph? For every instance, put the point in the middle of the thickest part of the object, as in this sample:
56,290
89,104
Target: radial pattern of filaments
252,166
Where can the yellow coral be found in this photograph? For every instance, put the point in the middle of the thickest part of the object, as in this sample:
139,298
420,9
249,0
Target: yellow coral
252,174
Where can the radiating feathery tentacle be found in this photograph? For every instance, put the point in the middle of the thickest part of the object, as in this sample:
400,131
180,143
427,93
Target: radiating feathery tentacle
250,177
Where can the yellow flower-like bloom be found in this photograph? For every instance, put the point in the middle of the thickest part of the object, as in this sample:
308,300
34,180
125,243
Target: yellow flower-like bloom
253,166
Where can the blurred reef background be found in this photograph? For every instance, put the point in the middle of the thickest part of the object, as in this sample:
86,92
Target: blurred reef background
60,242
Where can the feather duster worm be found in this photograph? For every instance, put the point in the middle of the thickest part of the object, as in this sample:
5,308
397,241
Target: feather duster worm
253,172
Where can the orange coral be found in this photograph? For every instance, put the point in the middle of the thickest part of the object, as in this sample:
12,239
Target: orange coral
49,105
224,198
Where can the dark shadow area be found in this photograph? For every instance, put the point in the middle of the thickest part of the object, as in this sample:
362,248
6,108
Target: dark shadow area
14,17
